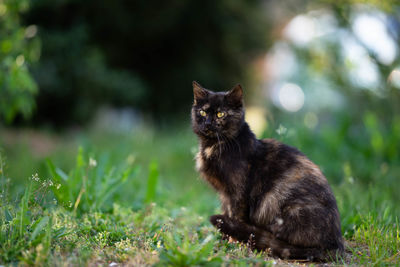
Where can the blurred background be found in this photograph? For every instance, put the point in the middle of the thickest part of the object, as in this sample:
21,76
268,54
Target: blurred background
114,78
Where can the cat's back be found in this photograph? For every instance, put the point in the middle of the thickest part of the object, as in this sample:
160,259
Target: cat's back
287,162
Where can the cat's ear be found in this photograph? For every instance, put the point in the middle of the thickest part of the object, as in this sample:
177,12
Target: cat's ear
198,91
235,95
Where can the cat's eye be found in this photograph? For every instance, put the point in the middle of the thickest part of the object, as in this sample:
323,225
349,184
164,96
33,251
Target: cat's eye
220,114
203,113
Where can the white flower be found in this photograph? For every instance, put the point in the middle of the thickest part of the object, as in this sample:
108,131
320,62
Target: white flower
131,159
92,162
35,177
281,130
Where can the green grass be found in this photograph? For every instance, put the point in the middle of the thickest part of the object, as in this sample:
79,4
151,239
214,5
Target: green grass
135,199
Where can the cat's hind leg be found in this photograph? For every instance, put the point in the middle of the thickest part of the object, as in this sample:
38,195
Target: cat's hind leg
262,239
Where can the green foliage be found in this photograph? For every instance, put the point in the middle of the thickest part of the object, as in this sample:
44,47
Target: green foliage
18,48
386,5
382,241
115,220
74,77
182,250
25,230
89,186
325,68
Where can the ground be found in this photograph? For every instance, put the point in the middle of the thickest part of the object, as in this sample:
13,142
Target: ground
112,199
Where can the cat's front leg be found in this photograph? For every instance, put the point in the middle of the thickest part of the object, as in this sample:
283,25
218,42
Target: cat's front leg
239,209
233,207
233,204
226,225
235,196
218,221
226,207
240,231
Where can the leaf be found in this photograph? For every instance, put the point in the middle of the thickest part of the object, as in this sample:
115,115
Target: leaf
61,232
23,209
39,227
62,194
206,246
80,162
113,187
62,174
152,181
52,170
8,215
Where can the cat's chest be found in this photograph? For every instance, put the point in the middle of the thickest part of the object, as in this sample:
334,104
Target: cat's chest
214,158
218,162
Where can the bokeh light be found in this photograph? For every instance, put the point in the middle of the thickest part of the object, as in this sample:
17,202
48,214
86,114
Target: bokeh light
255,116
394,78
291,97
371,30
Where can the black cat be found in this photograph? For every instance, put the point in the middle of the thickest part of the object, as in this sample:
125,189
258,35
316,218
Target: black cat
272,196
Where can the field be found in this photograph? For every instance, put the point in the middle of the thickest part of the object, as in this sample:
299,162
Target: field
101,198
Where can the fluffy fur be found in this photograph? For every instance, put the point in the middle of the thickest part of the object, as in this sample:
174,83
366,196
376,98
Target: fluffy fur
272,196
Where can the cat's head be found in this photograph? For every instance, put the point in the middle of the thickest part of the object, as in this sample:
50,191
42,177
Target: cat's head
217,114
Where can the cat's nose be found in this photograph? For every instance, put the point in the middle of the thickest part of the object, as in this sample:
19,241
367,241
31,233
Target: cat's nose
208,126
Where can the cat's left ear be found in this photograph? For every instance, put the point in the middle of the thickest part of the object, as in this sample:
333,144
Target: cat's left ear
235,95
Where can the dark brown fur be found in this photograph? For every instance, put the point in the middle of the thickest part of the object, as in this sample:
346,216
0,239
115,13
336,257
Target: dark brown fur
272,196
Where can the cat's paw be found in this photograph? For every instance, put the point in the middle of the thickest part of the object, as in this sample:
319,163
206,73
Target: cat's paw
218,221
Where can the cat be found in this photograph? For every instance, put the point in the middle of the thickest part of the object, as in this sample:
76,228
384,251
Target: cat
272,196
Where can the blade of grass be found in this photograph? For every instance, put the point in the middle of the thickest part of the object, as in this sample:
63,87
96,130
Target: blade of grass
113,187
152,181
39,227
23,210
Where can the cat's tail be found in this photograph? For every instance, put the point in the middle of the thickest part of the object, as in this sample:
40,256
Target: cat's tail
261,239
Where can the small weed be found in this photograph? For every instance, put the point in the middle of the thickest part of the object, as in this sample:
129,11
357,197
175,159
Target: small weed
90,185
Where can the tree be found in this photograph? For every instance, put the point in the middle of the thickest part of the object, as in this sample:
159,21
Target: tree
18,48
142,54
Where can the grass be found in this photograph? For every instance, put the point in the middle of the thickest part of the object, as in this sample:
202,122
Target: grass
104,198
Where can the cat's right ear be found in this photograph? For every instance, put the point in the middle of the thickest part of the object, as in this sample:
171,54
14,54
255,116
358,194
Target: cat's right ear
198,91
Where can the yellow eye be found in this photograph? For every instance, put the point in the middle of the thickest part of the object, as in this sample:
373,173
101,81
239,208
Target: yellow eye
220,114
203,113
